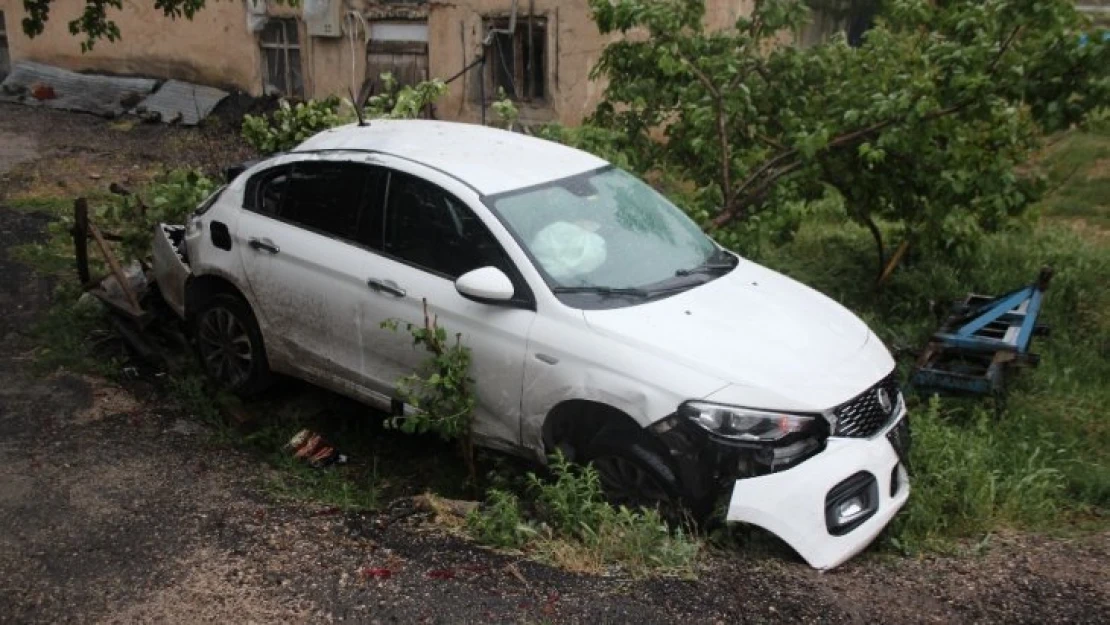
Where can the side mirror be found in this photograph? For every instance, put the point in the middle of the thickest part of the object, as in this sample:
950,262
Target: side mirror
488,285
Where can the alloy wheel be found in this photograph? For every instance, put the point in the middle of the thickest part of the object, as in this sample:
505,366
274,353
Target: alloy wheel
225,346
627,483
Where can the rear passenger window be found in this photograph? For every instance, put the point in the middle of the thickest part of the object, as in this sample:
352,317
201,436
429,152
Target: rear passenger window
336,199
265,190
330,197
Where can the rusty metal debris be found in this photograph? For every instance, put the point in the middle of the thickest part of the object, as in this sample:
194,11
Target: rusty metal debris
314,449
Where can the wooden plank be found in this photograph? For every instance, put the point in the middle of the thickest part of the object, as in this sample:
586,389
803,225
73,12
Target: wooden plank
398,47
117,271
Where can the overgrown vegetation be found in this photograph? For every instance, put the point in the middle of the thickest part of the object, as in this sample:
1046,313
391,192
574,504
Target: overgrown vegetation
922,125
568,522
170,198
292,123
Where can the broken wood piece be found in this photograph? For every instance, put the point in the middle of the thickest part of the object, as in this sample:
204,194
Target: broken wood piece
117,271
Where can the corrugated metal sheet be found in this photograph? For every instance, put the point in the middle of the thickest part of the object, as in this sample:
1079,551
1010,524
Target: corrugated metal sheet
182,101
174,101
102,95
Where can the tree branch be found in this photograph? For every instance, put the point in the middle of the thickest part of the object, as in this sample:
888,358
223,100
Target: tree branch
767,175
722,126
759,183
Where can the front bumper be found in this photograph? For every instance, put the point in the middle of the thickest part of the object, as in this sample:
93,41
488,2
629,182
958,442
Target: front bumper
791,503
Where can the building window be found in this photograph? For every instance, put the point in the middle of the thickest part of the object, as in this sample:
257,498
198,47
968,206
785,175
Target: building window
5,60
398,48
517,62
853,18
281,58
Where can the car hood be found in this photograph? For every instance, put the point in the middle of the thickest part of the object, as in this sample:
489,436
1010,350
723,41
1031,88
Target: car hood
780,344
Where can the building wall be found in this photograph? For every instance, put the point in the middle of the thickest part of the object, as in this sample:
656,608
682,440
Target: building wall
216,48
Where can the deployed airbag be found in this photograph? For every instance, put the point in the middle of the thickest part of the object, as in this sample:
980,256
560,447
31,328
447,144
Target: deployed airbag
567,250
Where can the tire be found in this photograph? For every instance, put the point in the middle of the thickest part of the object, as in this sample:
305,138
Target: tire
633,474
229,345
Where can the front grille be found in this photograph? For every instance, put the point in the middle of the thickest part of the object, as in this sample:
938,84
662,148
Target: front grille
863,416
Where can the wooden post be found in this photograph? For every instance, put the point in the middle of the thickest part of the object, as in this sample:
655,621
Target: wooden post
81,238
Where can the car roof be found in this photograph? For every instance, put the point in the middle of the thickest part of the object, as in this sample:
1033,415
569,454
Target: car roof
487,159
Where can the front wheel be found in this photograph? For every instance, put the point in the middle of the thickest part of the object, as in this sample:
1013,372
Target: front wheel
633,474
229,344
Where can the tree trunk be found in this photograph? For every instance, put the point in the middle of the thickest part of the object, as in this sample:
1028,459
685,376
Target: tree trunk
880,251
894,260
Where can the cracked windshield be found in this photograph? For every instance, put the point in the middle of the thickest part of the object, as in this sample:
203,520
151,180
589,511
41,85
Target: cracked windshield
604,229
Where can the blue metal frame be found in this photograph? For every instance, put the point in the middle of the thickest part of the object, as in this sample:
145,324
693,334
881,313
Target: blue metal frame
1005,310
962,357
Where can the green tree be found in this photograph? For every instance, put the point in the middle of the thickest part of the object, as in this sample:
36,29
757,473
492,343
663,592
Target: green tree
923,124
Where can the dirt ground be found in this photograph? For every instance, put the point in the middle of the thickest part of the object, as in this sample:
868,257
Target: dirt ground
115,507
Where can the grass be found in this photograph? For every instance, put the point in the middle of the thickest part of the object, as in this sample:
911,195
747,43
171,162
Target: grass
1077,170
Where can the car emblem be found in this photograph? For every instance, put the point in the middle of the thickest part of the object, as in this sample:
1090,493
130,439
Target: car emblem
884,400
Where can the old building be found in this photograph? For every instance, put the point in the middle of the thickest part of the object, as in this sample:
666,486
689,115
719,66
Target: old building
542,59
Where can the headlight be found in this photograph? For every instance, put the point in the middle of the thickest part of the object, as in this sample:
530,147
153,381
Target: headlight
752,425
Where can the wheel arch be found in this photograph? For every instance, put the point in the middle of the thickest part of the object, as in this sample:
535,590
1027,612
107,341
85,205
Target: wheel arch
572,424
198,289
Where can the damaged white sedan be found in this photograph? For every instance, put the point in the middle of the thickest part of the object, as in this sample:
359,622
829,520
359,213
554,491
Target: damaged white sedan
600,319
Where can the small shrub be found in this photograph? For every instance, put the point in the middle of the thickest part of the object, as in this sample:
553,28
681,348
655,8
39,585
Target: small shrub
441,390
291,124
571,525
501,523
169,199
407,102
505,109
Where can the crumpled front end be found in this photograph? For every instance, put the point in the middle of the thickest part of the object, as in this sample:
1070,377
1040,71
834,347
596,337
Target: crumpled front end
832,505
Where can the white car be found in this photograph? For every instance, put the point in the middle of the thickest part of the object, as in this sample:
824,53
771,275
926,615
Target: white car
600,319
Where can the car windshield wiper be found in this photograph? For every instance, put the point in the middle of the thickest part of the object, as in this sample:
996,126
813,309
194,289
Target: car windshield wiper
719,261
602,290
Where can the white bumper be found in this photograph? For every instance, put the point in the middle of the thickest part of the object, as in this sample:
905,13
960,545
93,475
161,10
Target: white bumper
791,503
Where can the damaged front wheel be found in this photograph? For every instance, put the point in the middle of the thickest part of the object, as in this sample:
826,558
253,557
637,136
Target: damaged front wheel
634,475
229,344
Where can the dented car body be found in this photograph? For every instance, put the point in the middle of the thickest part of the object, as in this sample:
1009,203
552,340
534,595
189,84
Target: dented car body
600,320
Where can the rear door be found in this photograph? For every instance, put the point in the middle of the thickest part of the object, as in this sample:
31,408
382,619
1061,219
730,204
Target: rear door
430,238
303,237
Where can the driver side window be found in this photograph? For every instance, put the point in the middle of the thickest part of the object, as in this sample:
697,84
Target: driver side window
427,227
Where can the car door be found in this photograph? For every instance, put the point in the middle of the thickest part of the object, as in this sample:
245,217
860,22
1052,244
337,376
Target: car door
430,237
302,237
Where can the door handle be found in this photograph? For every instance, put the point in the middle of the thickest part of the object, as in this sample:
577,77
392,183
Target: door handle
265,245
385,286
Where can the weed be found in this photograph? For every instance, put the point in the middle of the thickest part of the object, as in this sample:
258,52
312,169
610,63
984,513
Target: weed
442,390
67,335
501,523
572,526
340,487
52,205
